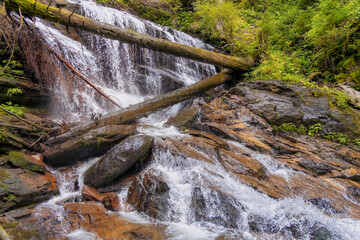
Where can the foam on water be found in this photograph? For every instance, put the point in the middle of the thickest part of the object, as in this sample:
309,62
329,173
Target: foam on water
82,234
183,177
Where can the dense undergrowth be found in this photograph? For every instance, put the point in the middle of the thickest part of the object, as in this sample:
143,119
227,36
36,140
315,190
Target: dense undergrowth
292,40
304,41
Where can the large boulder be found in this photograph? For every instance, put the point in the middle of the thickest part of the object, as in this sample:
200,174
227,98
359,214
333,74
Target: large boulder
279,102
149,193
19,187
94,143
118,160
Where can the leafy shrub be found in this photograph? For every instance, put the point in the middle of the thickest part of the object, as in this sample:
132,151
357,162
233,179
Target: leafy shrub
14,108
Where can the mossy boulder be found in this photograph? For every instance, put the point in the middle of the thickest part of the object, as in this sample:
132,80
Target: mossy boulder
20,160
278,102
19,187
94,143
118,160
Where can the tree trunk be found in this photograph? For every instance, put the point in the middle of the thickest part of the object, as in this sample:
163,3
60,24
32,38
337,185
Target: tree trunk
136,111
65,17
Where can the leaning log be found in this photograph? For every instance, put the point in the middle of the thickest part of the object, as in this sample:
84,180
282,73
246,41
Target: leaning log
71,19
136,111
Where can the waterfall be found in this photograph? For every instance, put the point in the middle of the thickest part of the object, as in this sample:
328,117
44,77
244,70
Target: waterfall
129,75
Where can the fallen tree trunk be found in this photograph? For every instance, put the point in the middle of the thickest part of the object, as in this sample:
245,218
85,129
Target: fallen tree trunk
136,111
71,19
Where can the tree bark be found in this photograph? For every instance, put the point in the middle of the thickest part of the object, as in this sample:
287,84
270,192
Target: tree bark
136,111
71,19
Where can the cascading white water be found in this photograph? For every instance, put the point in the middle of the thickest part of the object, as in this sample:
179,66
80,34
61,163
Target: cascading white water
129,75
183,175
126,73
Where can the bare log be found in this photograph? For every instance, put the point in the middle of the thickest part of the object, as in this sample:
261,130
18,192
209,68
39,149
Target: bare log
71,19
136,111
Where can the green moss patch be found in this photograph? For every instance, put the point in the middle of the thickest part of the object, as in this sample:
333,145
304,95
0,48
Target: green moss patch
20,160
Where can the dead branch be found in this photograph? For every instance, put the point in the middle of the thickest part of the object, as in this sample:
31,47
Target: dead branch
24,120
81,76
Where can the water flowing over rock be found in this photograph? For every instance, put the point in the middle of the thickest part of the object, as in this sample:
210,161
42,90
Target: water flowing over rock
19,187
128,73
215,168
149,193
225,214
118,160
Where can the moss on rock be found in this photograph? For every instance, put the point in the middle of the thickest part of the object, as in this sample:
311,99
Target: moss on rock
20,160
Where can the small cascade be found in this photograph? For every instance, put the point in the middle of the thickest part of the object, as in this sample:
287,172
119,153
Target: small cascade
204,199
126,73
207,202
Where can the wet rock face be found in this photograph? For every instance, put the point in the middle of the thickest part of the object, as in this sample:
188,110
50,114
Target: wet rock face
260,224
185,118
20,160
255,155
19,187
315,167
94,143
302,229
149,193
324,204
118,160
169,84
279,103
212,205
42,223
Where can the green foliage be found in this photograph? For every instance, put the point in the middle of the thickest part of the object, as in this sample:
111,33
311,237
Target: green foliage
356,142
312,130
13,91
14,108
223,21
337,137
333,31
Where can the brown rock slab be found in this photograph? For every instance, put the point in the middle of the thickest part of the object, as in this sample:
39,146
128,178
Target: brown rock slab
185,118
149,193
111,201
93,218
19,187
221,143
92,194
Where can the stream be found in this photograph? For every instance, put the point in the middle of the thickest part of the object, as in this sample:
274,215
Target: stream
129,75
